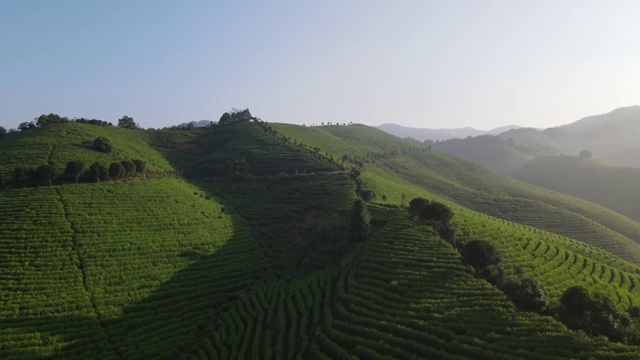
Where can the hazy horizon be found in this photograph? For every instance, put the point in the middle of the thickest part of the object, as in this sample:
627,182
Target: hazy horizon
455,64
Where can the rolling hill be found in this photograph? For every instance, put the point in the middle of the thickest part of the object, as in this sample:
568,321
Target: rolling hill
611,186
236,246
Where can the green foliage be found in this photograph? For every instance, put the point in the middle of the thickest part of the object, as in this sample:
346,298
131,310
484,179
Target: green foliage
102,144
117,171
46,120
415,207
46,174
594,313
527,294
481,254
22,176
74,169
140,166
127,122
129,167
436,214
98,172
360,227
3,131
367,195
235,116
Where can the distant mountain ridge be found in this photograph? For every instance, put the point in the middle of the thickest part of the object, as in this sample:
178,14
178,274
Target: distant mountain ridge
440,134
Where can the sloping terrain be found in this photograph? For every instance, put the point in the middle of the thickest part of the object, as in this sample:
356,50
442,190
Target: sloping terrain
476,187
244,256
611,186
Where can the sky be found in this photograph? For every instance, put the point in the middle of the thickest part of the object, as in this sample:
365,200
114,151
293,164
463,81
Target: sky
433,64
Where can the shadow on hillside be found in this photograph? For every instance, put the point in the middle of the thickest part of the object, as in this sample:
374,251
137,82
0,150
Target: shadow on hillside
168,322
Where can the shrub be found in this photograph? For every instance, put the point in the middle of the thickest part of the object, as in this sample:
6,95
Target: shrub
98,172
140,166
74,170
129,167
117,171
46,174
481,254
102,144
367,195
527,294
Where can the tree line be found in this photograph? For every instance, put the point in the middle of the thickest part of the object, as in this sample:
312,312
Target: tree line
74,172
45,120
579,309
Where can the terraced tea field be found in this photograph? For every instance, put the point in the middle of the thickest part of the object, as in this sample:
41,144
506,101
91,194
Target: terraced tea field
407,297
136,259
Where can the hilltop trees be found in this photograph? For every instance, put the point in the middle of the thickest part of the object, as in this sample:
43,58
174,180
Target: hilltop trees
46,120
3,131
236,116
102,144
126,122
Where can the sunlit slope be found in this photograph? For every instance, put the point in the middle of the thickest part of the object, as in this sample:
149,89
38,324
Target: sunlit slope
407,296
129,270
61,143
611,186
476,187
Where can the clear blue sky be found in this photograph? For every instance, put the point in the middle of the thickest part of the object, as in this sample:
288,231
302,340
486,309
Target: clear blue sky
418,63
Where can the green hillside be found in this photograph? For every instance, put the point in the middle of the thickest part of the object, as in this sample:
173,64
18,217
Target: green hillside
247,252
610,186
60,144
476,187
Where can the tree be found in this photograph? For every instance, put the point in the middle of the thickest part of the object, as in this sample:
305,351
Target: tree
360,227
98,172
367,195
126,122
27,126
585,154
415,207
117,171
46,174
527,294
436,213
74,169
129,167
102,144
140,166
225,119
46,120
3,131
481,254
22,176
595,314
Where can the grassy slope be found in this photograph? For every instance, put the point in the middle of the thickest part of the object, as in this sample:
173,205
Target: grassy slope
152,266
60,144
136,258
479,188
610,186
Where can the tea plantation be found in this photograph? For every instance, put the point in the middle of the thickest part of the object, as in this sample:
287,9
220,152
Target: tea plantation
236,244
